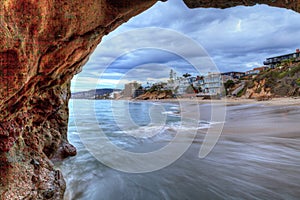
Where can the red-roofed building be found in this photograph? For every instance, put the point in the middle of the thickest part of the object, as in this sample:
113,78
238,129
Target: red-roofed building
256,70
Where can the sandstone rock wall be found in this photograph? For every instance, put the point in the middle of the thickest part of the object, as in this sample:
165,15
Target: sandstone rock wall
43,44
259,91
155,95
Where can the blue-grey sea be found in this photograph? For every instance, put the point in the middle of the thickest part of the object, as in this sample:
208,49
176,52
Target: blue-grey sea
256,157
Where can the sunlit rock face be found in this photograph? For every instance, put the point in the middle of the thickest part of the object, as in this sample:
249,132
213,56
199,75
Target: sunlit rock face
43,44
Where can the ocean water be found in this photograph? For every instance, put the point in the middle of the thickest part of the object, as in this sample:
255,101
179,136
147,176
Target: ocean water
256,157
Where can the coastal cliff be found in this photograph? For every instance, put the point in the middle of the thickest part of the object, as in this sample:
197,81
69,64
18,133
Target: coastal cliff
283,81
43,44
155,95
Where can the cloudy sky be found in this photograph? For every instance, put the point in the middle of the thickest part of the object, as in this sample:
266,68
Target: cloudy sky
197,41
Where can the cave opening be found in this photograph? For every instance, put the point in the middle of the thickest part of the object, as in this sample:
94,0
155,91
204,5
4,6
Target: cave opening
235,39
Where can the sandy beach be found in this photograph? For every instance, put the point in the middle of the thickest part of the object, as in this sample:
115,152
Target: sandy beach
256,155
284,101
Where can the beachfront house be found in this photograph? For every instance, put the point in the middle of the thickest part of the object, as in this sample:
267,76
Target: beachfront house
273,61
256,70
182,84
213,83
234,75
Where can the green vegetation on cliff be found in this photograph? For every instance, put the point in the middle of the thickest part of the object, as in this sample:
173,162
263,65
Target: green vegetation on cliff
279,82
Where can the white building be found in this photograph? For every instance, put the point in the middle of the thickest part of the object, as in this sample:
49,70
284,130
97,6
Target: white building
213,83
115,95
179,85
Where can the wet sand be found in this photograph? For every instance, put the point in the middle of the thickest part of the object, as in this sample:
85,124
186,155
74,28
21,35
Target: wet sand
256,157
272,102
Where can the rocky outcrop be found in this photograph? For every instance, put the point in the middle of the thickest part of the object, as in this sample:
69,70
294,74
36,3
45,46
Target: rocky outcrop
283,81
259,91
155,95
43,44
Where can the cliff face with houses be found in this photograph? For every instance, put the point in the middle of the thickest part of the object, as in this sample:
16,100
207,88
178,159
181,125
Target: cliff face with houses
43,44
282,81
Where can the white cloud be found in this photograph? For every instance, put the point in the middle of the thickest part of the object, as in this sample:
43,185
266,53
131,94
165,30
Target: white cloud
236,39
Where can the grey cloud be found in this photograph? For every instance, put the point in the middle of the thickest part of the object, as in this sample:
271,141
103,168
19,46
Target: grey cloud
234,38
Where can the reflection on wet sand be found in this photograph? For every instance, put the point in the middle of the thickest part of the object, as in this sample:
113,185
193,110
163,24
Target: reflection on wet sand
257,157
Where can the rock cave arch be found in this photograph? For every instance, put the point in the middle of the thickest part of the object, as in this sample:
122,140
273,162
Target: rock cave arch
43,44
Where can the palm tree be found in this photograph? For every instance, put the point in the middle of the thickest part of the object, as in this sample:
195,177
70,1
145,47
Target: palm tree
186,75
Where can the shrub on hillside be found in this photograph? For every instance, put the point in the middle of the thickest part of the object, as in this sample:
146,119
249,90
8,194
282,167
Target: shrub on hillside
294,70
298,81
283,74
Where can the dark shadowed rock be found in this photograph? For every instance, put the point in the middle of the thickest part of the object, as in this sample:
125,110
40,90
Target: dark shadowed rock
290,4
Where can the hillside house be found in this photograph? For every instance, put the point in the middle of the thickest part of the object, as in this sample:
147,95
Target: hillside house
273,61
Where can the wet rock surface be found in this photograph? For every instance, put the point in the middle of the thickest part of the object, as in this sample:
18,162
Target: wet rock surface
43,44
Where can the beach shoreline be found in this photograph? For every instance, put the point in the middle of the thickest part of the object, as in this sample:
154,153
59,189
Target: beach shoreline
254,143
281,101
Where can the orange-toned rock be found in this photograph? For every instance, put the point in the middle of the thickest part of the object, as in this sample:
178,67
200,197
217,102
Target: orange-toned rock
43,44
155,95
259,91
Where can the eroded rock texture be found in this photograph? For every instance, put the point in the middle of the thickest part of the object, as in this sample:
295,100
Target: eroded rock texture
43,43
